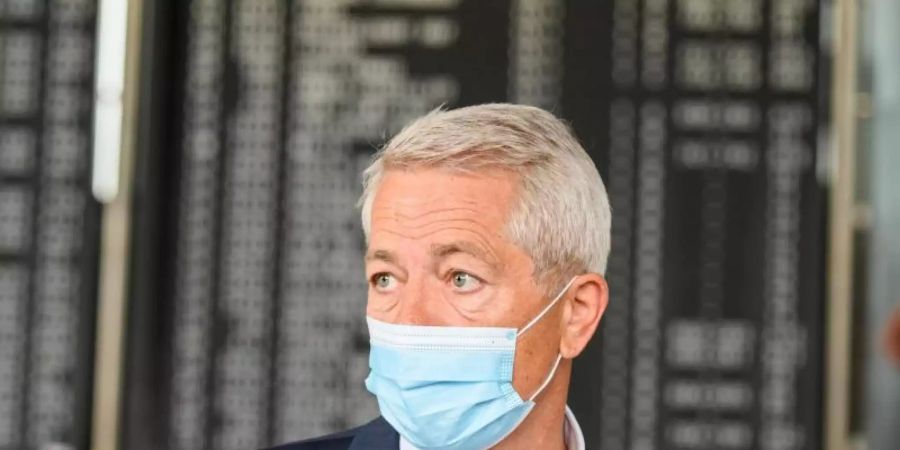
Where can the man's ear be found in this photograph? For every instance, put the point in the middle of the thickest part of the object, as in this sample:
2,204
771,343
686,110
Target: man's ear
586,302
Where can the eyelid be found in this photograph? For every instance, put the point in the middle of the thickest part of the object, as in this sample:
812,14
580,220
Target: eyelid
472,264
379,266
373,283
452,272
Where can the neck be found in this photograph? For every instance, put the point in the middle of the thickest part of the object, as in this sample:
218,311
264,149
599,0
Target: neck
543,428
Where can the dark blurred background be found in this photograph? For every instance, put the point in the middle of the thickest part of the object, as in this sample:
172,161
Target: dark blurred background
181,260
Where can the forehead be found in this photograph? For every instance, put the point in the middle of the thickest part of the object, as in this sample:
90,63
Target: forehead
428,214
418,197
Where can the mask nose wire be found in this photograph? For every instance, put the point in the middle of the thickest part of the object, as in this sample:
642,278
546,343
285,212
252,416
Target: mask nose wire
546,308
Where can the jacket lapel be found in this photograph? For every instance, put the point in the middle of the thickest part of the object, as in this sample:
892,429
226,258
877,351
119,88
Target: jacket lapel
376,435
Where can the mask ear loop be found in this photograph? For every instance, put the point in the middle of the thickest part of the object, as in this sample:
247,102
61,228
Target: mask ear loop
547,380
546,308
534,321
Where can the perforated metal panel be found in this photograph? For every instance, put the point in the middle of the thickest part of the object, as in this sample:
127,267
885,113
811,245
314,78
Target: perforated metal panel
712,337
48,223
282,107
702,116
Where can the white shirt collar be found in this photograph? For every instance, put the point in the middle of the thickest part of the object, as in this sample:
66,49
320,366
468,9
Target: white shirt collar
571,432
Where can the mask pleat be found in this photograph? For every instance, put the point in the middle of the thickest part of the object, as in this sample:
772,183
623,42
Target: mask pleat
402,364
426,400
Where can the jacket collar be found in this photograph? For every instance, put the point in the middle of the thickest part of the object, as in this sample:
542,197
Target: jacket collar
376,435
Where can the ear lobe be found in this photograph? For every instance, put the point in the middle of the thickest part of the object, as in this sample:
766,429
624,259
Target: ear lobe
587,302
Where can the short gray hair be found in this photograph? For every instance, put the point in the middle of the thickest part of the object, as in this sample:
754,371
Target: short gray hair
562,219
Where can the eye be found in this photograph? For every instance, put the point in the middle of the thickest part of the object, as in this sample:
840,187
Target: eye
383,281
464,281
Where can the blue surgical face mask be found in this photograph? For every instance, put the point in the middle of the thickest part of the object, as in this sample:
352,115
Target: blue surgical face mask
449,387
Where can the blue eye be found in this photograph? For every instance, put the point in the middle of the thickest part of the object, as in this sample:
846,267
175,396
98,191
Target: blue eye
465,281
383,281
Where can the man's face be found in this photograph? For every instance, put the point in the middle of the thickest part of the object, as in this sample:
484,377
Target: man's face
438,255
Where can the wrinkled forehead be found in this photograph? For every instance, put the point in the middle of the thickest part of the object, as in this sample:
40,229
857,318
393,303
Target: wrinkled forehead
439,208
416,197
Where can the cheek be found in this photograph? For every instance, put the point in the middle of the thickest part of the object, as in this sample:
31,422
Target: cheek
421,300
536,352
378,305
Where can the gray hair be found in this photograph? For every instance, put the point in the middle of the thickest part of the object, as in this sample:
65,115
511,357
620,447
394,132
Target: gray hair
562,219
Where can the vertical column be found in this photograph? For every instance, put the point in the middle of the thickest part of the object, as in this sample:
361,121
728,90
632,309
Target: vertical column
784,338
648,275
13,298
625,26
323,287
655,44
535,69
59,283
197,206
617,320
20,62
791,71
616,327
249,218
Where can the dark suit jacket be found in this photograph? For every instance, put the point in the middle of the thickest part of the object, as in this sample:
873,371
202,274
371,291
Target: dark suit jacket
375,435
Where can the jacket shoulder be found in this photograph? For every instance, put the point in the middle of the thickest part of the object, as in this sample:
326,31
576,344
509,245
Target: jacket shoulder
335,441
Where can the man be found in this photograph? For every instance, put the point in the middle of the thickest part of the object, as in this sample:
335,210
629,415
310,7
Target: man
487,230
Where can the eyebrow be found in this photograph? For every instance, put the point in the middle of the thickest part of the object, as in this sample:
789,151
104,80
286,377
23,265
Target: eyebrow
440,251
382,255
